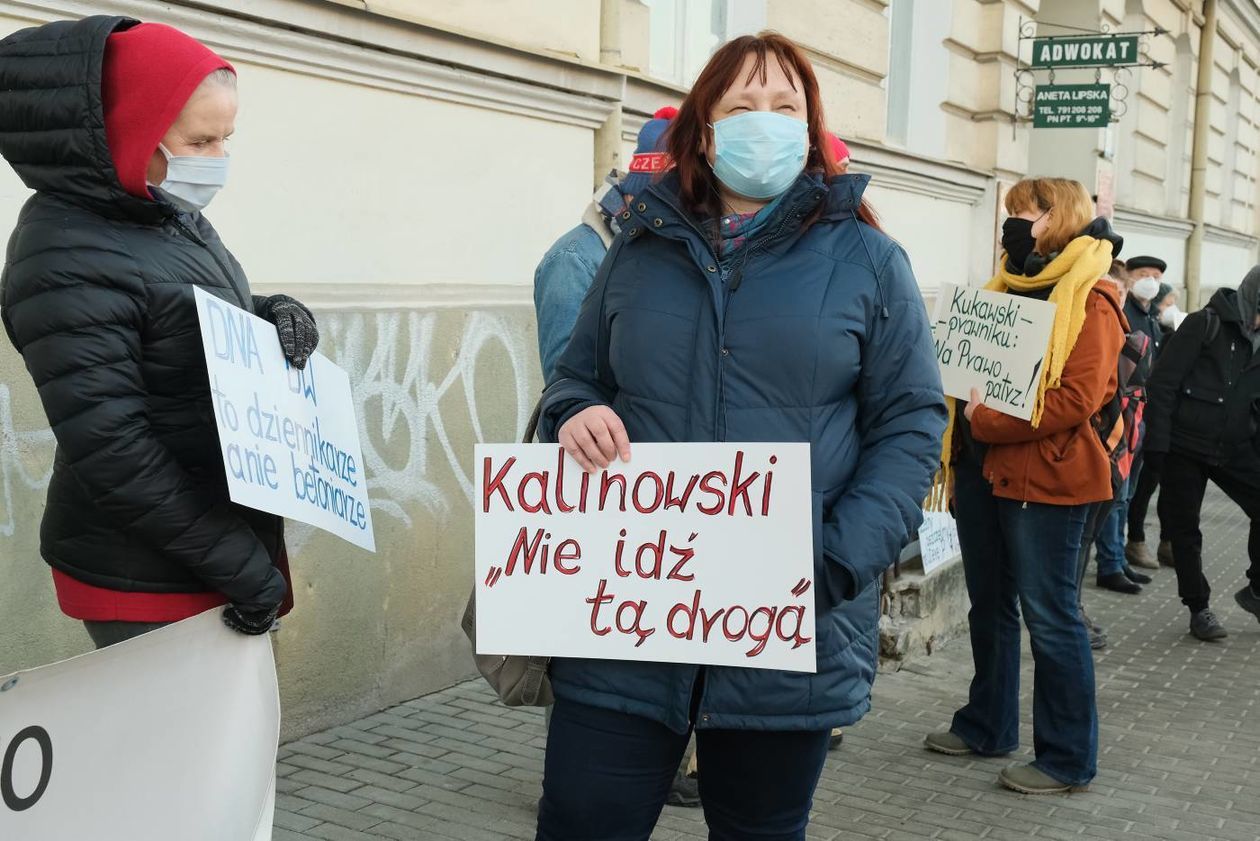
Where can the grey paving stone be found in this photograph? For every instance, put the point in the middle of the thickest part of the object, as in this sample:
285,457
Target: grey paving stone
1179,747
342,817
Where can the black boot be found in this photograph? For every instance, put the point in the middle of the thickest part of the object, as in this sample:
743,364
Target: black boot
1205,626
1135,576
1117,582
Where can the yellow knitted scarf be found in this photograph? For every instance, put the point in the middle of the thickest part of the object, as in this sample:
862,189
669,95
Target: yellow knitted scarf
1073,274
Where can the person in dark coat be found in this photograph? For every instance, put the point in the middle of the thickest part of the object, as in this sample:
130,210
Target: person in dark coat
1114,549
1201,425
747,298
1145,275
1136,550
119,128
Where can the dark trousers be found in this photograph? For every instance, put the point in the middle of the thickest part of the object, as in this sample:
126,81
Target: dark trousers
1025,556
104,634
607,775
1140,504
1184,484
1093,524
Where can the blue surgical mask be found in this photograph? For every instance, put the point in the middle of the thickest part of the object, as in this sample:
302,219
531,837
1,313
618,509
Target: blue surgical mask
191,180
759,154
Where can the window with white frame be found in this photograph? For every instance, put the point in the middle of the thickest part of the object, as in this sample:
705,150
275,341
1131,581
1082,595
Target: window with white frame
918,75
683,34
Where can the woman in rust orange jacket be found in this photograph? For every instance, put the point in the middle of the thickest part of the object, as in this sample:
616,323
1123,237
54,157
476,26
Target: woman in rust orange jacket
1022,491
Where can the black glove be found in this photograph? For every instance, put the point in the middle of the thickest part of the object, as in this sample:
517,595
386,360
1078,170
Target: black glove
252,623
299,336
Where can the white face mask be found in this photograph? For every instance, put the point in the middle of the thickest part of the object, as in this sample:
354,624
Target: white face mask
1146,288
193,181
1170,316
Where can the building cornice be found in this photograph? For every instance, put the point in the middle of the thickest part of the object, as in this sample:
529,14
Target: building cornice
909,173
338,42
1248,14
1227,236
384,297
1128,218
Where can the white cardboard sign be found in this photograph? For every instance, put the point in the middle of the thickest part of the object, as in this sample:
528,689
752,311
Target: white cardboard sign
938,540
169,735
690,553
994,342
290,439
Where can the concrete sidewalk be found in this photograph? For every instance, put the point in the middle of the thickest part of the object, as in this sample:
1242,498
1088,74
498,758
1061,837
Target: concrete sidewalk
1179,759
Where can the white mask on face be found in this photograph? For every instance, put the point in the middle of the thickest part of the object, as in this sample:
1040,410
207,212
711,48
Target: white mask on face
1170,316
1146,288
193,181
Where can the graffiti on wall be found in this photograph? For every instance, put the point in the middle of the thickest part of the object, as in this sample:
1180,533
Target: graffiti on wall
25,462
416,389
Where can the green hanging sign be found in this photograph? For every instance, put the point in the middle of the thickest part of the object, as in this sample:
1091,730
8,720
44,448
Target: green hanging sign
1072,106
1086,51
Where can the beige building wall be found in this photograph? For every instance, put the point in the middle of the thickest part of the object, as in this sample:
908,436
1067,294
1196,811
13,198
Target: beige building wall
406,194
1150,148
402,165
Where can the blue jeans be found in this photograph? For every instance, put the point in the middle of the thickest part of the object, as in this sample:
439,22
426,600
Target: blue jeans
1024,555
608,773
1110,543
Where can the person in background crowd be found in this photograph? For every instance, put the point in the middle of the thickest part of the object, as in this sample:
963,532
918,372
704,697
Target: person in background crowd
840,151
1165,306
1119,278
1115,551
1201,426
731,269
1136,551
1023,491
1145,275
97,296
569,266
562,280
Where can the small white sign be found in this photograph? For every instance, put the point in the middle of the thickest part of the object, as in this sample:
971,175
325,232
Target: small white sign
290,440
938,541
994,342
171,735
690,553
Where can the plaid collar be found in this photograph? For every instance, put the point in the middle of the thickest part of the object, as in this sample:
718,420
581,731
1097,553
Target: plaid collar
735,229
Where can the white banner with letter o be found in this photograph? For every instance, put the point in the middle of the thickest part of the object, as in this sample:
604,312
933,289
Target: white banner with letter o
167,736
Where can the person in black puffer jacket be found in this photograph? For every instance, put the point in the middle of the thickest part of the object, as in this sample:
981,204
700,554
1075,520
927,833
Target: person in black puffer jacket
97,296
1200,425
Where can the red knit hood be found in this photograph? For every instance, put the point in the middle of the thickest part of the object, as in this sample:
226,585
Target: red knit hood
150,71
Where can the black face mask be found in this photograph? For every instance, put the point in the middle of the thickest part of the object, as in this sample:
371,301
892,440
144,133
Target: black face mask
1018,242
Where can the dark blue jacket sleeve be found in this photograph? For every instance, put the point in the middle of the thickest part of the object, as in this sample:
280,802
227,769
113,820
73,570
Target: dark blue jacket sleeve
901,419
582,376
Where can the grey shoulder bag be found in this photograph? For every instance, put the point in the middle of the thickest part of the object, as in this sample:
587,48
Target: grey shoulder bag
519,681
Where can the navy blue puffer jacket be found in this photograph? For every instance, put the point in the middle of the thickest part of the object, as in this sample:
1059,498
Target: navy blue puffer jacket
823,338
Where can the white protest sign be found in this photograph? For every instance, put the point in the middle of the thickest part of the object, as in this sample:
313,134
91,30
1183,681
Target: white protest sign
290,439
938,540
994,342
169,735
691,553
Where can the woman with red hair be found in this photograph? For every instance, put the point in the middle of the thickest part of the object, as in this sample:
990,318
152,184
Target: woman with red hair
750,296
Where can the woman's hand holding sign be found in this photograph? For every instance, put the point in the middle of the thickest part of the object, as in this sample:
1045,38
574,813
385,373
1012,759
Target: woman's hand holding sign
977,400
595,437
